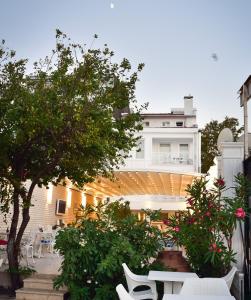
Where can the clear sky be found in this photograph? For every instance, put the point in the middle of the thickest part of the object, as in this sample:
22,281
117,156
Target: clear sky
174,38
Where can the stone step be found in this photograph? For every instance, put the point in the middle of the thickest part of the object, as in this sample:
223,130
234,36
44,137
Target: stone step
39,294
41,281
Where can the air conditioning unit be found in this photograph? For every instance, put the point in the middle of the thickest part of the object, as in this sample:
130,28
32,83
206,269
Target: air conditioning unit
237,288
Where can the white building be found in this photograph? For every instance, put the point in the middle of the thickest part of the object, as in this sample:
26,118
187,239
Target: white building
168,157
169,141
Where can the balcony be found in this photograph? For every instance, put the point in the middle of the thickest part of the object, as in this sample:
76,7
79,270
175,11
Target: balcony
159,158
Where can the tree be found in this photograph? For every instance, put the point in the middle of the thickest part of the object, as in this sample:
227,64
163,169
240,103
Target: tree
209,136
62,121
93,250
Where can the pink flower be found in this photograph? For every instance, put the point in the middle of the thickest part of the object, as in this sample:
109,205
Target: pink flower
208,214
240,213
166,222
176,228
214,246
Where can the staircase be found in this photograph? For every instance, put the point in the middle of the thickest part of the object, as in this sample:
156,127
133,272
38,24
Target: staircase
40,287
174,260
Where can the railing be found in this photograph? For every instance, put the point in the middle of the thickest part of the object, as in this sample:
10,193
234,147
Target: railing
160,158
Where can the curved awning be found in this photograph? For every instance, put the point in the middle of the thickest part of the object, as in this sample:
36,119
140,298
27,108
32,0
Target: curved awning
143,183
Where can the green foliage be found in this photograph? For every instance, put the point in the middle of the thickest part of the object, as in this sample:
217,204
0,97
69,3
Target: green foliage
23,271
73,117
94,249
206,228
209,136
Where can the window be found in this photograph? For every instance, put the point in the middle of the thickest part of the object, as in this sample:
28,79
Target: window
140,151
184,151
164,153
166,124
179,124
146,124
164,148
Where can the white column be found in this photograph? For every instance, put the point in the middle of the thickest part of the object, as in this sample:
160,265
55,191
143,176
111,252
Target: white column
229,165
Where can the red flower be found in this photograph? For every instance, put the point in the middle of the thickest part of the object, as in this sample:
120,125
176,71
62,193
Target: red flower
240,213
166,222
210,205
176,228
190,201
220,182
3,242
191,220
219,250
208,214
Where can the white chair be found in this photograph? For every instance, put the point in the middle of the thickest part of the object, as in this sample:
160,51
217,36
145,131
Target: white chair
205,286
230,276
123,295
134,281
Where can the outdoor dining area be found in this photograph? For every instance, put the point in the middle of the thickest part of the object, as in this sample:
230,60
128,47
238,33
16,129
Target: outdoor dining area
36,244
177,286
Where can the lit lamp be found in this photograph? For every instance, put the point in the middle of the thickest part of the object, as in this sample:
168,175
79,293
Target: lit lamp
69,192
49,193
83,199
95,201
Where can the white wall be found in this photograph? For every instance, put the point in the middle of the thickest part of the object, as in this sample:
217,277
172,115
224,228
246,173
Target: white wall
174,136
228,165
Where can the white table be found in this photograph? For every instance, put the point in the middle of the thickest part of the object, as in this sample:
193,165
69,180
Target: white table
172,280
197,297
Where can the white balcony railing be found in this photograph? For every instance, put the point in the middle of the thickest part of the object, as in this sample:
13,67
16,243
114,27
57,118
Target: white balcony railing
159,158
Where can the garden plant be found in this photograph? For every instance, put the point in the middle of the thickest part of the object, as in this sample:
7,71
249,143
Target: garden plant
95,247
206,228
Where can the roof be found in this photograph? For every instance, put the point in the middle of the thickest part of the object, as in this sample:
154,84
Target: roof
156,115
247,80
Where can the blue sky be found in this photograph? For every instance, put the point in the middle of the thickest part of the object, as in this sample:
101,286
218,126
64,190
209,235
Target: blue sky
174,38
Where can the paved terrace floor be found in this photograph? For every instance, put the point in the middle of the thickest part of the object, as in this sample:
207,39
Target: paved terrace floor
49,264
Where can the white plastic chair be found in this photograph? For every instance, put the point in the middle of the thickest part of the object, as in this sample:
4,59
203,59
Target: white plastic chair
134,281
230,276
205,286
123,295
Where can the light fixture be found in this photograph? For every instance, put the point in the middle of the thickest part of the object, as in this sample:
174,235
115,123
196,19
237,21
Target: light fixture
83,199
69,193
49,193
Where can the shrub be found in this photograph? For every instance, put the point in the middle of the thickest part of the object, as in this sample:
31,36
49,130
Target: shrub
206,229
95,247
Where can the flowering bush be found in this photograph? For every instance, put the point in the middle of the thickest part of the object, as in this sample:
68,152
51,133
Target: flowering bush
206,229
94,249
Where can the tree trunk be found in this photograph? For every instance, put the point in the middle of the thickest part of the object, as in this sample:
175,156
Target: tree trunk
13,248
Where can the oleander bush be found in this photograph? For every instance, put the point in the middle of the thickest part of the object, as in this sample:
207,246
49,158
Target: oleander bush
206,228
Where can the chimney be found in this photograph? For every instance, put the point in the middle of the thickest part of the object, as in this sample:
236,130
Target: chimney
188,105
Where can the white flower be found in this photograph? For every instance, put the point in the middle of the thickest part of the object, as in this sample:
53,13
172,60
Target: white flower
89,281
82,242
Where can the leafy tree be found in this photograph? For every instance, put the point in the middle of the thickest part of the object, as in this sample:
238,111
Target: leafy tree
209,136
63,120
93,250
